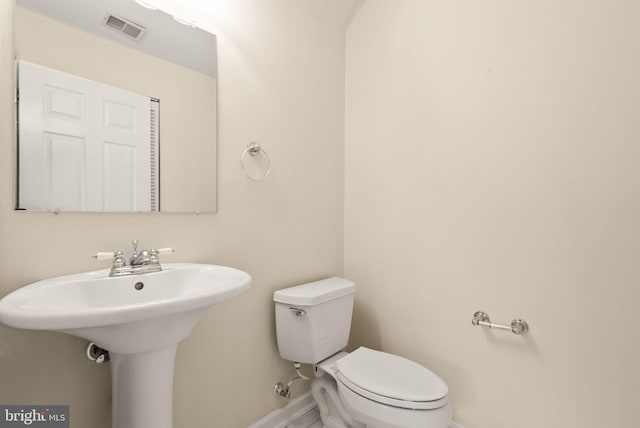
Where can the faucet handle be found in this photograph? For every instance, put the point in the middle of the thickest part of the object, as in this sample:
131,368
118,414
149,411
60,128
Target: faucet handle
155,254
104,255
118,258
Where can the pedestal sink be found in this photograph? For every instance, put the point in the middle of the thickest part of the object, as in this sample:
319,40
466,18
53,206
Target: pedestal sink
139,319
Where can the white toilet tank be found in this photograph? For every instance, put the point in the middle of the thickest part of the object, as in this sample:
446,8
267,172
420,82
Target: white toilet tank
313,320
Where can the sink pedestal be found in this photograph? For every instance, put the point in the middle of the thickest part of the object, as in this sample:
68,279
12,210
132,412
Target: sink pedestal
143,388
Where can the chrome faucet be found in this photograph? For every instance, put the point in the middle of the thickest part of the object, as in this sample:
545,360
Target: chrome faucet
139,262
141,258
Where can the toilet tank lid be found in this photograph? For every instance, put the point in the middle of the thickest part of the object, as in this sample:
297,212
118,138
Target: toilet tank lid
317,292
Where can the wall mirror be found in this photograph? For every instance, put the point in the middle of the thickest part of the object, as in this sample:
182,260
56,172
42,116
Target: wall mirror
117,109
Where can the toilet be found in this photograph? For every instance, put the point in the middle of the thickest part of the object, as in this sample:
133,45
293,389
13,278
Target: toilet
364,388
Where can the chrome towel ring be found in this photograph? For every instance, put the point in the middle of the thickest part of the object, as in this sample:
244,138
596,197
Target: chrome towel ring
254,149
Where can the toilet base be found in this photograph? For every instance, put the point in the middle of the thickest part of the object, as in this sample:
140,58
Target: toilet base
332,413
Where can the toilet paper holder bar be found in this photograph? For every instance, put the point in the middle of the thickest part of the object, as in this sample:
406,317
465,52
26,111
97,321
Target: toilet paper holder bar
518,326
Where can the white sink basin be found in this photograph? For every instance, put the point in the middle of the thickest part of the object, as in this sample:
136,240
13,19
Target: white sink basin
117,316
139,319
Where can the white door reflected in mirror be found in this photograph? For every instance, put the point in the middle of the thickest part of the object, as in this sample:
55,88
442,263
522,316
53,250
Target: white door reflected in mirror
84,145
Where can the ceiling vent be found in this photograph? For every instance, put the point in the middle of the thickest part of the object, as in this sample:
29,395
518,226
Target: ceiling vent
124,26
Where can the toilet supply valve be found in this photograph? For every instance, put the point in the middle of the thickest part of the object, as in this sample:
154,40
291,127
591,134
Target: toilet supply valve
281,390
285,391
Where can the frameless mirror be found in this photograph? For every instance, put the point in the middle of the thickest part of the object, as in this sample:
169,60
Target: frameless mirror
116,109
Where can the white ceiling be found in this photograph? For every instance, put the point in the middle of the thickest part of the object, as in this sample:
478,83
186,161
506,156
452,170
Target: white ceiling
336,13
340,12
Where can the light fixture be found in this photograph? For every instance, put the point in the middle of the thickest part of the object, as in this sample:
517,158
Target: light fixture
145,4
191,23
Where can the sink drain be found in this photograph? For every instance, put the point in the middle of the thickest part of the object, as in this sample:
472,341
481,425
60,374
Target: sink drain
139,286
96,353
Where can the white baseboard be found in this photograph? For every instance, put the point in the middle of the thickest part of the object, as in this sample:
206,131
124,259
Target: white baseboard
280,418
283,416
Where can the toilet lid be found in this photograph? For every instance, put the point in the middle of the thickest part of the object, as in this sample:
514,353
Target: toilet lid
390,379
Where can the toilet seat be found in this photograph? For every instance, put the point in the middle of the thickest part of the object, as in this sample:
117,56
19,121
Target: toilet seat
391,380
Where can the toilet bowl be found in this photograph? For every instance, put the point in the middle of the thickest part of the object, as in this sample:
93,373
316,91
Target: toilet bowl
364,388
380,390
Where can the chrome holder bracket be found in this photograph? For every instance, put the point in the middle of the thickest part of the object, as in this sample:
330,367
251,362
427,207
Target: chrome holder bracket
518,325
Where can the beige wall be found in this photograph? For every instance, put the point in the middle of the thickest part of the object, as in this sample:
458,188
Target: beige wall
281,77
187,110
492,163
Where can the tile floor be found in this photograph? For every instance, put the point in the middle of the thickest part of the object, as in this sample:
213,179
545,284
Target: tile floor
311,419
